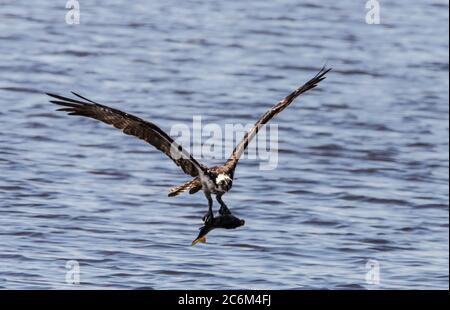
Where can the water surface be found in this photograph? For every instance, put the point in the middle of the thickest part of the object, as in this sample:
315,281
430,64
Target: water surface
363,161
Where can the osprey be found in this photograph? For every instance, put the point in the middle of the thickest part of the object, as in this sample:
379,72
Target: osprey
212,181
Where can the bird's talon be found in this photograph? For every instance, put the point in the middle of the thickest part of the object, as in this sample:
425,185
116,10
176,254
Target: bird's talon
224,210
208,217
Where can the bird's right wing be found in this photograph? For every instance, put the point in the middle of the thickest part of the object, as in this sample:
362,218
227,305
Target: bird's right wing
132,125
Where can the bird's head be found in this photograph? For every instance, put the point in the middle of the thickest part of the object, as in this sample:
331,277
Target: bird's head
224,182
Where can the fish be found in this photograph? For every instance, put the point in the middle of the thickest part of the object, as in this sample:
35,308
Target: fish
226,221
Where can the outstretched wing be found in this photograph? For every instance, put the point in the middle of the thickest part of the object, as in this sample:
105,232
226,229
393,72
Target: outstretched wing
231,163
131,125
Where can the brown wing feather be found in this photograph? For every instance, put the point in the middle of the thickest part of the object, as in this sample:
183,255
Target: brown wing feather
131,125
230,165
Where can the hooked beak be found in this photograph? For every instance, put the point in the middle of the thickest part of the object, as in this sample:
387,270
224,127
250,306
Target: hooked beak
229,185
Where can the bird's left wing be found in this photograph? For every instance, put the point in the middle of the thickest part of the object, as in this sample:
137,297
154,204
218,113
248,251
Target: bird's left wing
280,106
131,125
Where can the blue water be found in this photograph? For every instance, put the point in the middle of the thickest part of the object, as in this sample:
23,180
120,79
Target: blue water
363,161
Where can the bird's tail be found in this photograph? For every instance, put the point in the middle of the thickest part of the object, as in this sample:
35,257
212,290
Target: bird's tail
193,186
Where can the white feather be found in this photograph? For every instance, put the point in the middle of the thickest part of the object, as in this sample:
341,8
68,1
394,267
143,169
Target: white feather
222,177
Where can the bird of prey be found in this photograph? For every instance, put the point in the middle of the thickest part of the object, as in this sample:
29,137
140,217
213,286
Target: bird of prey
211,180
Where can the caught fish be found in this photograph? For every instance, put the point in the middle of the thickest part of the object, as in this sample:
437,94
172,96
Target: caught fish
227,221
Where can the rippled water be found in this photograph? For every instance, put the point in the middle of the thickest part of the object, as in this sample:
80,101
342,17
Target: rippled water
363,162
